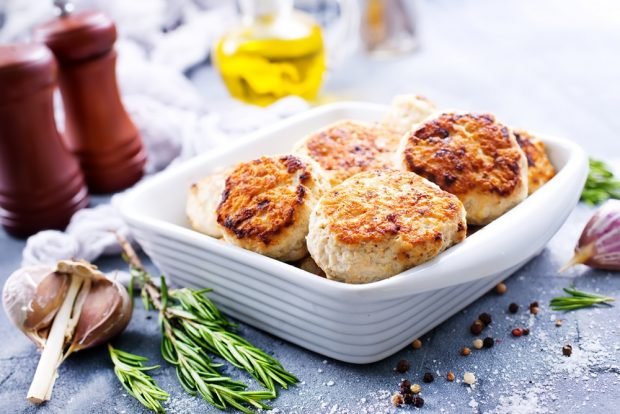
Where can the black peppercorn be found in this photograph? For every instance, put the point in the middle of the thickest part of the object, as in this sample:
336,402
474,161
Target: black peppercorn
428,377
488,342
526,331
408,398
476,327
567,350
405,387
418,402
513,308
402,366
485,318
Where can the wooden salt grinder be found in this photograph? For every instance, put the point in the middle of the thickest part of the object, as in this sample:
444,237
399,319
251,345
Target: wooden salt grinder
97,127
41,184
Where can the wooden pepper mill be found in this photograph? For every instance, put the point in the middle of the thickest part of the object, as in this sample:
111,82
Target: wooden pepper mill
41,184
97,127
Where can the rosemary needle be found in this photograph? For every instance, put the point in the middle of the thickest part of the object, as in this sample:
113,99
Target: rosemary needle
131,372
578,299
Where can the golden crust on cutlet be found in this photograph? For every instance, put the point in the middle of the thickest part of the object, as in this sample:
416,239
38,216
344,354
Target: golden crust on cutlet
397,204
472,156
379,223
539,167
266,204
346,148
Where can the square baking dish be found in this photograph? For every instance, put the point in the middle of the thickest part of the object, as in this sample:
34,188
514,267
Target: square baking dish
352,323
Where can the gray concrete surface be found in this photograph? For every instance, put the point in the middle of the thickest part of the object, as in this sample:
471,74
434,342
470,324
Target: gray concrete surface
551,66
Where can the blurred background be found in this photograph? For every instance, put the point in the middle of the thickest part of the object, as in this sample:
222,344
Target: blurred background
549,65
192,75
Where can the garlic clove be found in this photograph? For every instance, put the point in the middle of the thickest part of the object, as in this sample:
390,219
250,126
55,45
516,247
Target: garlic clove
18,291
106,312
48,296
599,244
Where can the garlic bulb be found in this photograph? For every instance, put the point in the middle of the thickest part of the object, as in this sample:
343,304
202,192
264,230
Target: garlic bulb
62,310
599,244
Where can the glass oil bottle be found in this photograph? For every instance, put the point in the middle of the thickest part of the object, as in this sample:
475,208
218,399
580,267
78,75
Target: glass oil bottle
276,51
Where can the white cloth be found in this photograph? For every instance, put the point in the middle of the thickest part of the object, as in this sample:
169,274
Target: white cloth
95,230
48,246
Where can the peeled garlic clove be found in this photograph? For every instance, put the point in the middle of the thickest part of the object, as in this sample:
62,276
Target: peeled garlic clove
599,244
105,313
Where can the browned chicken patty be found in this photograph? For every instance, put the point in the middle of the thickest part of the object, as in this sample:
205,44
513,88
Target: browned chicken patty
266,204
471,156
379,223
539,167
349,147
407,111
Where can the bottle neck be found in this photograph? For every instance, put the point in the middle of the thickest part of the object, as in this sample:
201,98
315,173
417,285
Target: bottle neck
264,11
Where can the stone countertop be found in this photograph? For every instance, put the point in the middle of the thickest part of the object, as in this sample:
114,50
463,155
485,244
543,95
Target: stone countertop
550,67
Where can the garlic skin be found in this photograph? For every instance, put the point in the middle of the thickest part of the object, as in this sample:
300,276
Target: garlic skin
17,297
599,244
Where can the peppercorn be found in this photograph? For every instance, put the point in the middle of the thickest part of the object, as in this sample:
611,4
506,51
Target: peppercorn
477,327
450,376
397,400
558,322
485,318
477,343
418,402
513,308
488,342
428,377
405,387
465,351
408,399
567,350
526,331
517,332
417,344
469,378
500,288
534,308
402,366
415,388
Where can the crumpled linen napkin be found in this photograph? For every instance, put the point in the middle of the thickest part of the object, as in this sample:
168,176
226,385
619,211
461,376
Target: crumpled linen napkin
90,234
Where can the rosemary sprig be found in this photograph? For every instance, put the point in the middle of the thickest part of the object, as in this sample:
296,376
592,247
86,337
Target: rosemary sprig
131,372
192,326
601,184
198,374
228,345
578,300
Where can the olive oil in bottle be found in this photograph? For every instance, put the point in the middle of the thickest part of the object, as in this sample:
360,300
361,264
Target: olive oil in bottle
275,52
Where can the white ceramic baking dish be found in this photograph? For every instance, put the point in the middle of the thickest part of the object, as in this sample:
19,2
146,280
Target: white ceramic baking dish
353,323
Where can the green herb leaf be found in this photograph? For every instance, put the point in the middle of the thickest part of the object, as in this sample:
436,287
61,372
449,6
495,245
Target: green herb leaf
578,299
601,184
131,372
